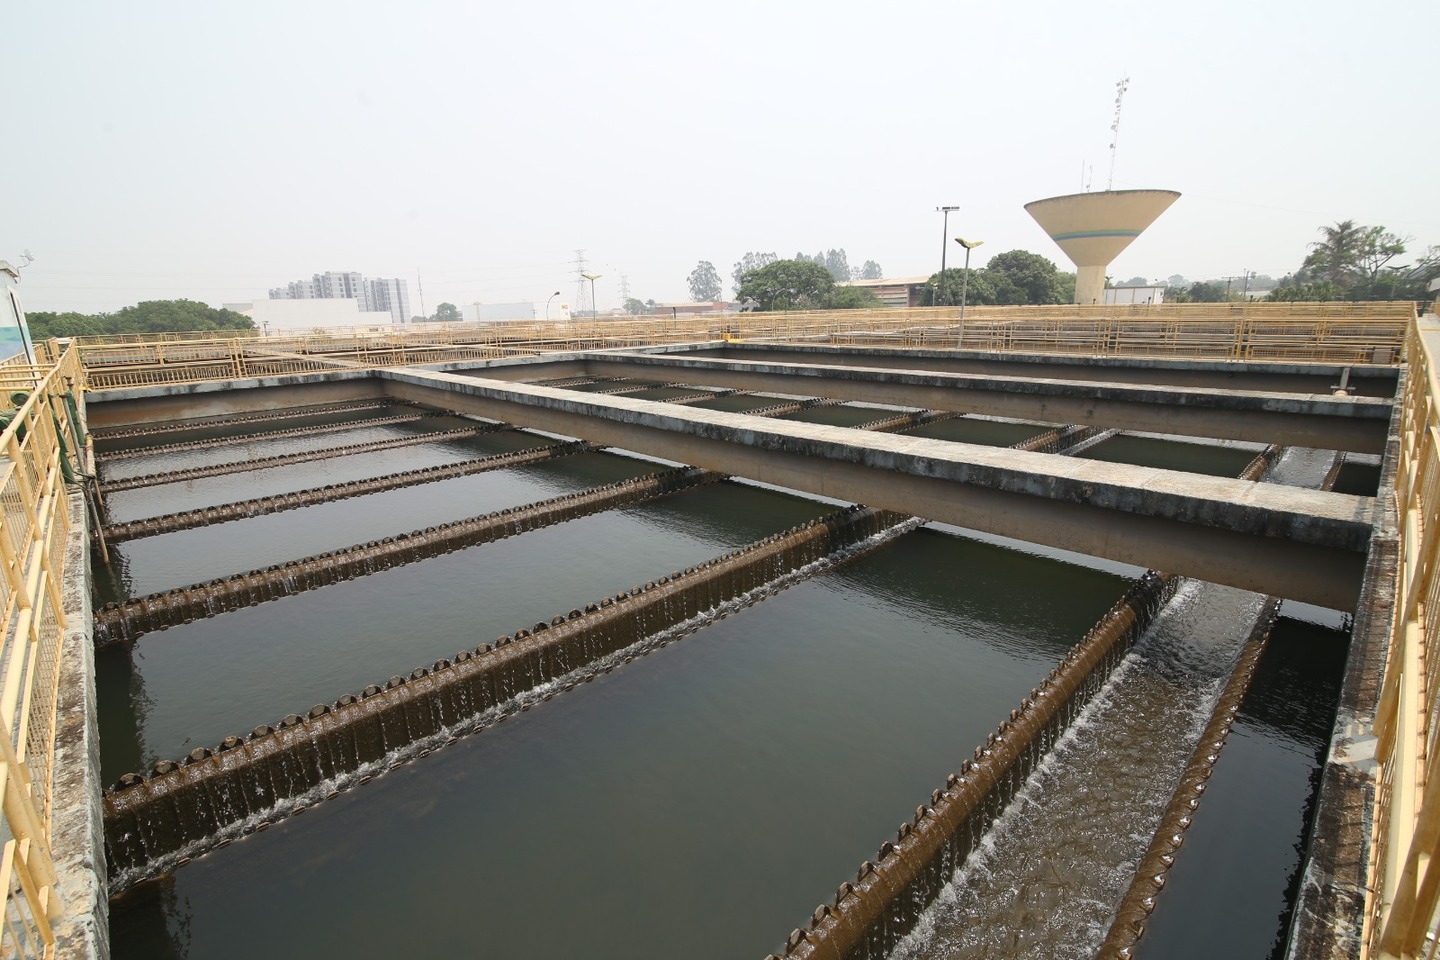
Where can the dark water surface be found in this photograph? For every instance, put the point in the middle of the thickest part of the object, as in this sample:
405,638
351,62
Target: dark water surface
737,404
993,433
343,435
193,685
1212,459
291,421
839,416
191,556
696,803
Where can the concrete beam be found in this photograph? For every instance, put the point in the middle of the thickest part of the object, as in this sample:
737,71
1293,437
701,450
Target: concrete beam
1299,544
1307,420
1274,377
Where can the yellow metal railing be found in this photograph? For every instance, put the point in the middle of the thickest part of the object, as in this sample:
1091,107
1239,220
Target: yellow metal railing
1331,333
1404,874
34,525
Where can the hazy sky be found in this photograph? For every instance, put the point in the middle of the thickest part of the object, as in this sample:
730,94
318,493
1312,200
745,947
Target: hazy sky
213,151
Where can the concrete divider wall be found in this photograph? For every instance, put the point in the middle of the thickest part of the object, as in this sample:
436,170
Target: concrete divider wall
211,796
124,622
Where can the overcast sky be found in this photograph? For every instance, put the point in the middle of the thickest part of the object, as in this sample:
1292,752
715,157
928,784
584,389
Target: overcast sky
213,151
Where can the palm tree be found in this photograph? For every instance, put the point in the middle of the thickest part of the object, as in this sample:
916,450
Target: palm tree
1336,257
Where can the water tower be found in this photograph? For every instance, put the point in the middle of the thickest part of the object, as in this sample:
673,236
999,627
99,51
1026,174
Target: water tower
1092,229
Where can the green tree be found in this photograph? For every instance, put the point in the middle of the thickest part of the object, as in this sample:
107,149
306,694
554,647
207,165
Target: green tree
447,313
800,285
1034,277
982,287
853,298
1205,292
838,264
787,285
870,271
704,282
636,307
1065,286
751,261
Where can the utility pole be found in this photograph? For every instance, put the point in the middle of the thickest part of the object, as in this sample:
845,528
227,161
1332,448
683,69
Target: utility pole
944,248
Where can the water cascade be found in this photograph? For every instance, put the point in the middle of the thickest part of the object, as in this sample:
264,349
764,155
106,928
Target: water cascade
124,622
188,519
213,795
1139,900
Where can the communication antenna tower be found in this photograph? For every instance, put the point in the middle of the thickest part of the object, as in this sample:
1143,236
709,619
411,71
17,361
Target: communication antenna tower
582,292
1120,89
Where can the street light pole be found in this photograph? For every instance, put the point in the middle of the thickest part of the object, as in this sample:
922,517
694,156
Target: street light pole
944,234
548,302
965,284
594,307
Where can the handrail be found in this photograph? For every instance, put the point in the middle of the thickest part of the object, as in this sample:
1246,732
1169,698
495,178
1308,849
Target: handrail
1403,885
35,448
1337,333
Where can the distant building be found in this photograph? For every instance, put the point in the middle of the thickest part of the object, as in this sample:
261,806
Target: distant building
1117,295
389,296
893,292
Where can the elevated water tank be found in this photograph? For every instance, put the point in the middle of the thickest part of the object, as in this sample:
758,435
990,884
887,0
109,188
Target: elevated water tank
1092,229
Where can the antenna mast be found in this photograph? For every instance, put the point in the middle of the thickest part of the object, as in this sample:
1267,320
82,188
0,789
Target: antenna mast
1120,89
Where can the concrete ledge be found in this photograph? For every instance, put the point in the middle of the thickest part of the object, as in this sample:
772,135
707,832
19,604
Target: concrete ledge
1304,516
77,837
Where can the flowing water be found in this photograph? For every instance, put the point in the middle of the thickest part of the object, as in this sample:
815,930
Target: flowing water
1230,891
1048,876
693,803
697,802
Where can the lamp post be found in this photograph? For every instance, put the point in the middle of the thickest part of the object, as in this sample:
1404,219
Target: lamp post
547,305
944,232
965,284
594,307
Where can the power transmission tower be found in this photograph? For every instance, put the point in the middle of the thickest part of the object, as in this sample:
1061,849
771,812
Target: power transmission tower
582,292
624,290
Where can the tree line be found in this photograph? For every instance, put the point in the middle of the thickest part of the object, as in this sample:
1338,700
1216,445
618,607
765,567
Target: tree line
1355,262
150,316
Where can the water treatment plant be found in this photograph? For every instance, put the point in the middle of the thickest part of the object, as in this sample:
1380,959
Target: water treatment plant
1068,631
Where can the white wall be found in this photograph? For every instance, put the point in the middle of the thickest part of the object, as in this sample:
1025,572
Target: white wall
292,315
